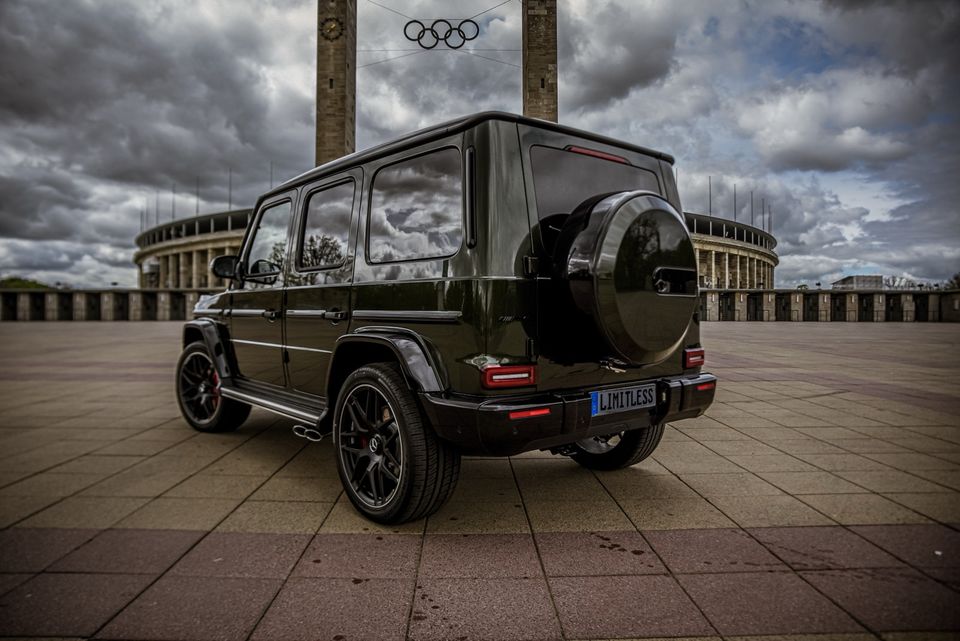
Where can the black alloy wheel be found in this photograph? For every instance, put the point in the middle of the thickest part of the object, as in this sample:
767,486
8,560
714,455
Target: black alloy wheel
371,450
392,465
198,393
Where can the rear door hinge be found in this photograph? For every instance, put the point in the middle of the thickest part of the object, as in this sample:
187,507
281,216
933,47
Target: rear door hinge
531,266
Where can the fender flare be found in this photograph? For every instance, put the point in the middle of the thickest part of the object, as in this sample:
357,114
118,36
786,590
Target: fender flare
216,337
416,359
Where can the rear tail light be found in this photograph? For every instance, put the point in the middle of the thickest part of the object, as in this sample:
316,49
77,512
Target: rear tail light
693,357
703,387
497,376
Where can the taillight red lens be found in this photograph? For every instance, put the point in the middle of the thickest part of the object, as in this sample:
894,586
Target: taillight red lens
498,376
693,357
540,411
703,387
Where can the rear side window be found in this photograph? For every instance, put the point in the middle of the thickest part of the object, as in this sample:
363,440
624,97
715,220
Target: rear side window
327,227
564,179
416,209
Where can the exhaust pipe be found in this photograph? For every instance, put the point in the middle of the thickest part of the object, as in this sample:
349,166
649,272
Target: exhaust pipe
309,433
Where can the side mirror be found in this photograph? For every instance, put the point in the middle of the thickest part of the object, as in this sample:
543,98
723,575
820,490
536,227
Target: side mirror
224,267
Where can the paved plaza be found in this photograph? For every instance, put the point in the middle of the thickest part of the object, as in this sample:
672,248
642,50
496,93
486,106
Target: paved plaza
818,496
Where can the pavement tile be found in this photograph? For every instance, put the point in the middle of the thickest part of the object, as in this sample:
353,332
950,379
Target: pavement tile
33,550
479,556
811,483
215,486
861,509
625,606
910,461
167,513
596,554
750,447
891,481
50,484
674,514
299,488
501,489
339,609
479,518
623,487
716,550
84,512
9,581
129,552
243,555
771,463
890,599
281,517
98,464
797,447
947,478
365,556
485,468
66,605
17,508
924,546
202,608
577,516
768,511
344,519
823,548
483,610
764,603
940,507
735,484
842,462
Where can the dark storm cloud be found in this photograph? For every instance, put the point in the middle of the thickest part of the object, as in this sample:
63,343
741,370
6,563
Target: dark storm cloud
610,50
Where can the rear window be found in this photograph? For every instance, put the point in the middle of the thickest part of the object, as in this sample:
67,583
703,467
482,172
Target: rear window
564,179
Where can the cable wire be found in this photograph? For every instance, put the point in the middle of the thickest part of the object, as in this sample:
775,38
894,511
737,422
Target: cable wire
382,6
490,9
406,55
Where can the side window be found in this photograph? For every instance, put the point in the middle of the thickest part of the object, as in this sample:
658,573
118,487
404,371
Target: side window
269,241
416,209
326,227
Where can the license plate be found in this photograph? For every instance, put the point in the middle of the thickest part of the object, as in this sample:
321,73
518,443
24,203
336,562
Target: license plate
624,399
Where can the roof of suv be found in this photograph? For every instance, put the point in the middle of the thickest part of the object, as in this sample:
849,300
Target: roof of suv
452,126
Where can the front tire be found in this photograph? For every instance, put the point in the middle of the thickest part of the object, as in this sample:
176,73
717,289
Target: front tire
393,467
198,393
631,447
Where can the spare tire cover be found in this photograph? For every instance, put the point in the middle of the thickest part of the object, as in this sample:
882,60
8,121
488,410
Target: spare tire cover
630,264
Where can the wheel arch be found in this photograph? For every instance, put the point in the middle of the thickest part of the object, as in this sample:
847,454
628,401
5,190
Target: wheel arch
420,369
216,337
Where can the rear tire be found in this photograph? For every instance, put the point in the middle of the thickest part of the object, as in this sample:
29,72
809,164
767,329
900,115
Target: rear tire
392,465
198,393
633,447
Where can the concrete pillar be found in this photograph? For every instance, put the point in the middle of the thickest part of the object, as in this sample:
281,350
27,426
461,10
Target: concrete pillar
336,79
853,308
879,308
539,59
739,306
23,306
106,306
934,307
713,306
51,304
136,306
796,306
823,307
163,306
195,262
162,284
79,306
726,270
713,269
184,263
909,308
753,271
769,301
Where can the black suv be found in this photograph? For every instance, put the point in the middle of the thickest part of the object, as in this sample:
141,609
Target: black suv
488,286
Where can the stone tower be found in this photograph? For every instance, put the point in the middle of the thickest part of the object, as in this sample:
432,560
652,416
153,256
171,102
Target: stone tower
336,79
540,59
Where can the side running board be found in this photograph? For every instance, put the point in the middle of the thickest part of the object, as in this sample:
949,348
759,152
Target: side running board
309,415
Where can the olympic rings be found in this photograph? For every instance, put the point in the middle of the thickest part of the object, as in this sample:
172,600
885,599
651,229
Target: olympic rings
441,30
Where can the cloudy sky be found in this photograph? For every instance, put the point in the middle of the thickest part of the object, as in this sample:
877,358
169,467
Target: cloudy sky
842,115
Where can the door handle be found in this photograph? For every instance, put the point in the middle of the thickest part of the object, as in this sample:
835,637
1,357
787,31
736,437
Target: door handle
335,315
270,314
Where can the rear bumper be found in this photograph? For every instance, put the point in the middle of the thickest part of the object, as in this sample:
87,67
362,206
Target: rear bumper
485,426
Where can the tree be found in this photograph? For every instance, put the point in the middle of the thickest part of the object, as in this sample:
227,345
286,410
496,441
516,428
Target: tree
953,283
